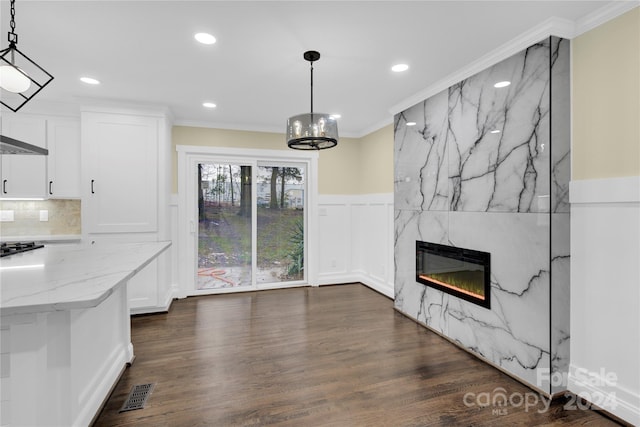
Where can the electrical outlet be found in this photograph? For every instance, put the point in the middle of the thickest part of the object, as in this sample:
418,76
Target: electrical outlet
6,216
44,215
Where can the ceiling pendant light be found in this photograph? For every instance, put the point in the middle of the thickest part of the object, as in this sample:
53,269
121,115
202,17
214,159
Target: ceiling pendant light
20,78
312,131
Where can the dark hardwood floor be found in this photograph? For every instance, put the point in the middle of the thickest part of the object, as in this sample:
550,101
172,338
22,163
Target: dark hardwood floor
329,356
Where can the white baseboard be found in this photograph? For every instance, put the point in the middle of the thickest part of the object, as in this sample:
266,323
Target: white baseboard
102,384
604,393
377,284
381,289
163,307
338,278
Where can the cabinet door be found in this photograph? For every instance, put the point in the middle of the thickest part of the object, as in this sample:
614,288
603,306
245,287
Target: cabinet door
142,289
120,176
24,176
63,139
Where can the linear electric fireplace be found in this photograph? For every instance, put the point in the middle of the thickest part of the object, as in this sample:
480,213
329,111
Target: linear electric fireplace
462,272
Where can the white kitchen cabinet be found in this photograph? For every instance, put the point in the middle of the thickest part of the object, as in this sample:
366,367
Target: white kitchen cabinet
125,190
63,162
24,176
120,179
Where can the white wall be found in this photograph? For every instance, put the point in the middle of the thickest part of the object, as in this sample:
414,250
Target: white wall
356,240
605,294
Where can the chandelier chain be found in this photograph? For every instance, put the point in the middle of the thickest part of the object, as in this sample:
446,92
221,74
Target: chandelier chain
13,37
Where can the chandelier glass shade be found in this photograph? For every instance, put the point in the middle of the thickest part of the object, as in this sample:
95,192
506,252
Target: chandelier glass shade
312,131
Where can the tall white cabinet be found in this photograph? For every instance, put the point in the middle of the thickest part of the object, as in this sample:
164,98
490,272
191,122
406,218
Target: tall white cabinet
125,190
121,181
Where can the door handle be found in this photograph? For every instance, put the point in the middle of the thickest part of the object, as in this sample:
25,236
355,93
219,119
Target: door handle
4,186
92,189
50,187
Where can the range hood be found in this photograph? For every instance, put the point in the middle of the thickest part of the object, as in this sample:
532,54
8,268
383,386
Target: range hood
13,146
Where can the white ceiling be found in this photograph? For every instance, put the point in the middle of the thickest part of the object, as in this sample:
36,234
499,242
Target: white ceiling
144,52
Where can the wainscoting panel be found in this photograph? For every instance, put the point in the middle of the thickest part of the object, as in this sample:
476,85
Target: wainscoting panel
356,240
334,239
605,294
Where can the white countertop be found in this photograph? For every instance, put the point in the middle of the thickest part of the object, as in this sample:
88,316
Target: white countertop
69,276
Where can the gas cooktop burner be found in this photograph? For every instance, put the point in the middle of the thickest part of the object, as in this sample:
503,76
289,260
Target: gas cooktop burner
7,249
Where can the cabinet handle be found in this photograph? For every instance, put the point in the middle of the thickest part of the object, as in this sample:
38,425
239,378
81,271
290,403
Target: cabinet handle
92,181
50,187
4,186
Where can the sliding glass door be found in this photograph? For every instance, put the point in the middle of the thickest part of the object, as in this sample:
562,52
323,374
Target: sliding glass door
224,225
281,223
251,224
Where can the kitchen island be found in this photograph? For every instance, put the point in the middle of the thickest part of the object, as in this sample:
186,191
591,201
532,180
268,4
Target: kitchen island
65,329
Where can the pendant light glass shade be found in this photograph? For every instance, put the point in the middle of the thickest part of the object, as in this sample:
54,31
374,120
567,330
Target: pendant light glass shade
13,79
312,131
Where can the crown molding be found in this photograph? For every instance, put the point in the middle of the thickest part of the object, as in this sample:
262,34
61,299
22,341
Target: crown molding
89,104
604,14
245,127
373,128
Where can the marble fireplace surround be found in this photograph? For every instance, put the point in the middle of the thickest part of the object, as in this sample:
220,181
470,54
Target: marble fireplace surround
488,169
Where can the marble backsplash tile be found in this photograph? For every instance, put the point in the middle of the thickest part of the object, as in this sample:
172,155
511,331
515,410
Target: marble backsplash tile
63,218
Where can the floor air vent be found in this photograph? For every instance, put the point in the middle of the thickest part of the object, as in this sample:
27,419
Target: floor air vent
137,397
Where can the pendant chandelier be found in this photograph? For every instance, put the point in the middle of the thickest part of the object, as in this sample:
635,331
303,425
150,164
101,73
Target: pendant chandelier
312,131
20,78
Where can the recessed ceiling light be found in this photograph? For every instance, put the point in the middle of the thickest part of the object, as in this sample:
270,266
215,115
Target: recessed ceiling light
205,38
89,80
495,131
209,105
398,68
411,123
502,84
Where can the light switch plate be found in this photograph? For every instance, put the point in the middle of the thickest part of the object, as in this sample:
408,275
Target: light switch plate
44,215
